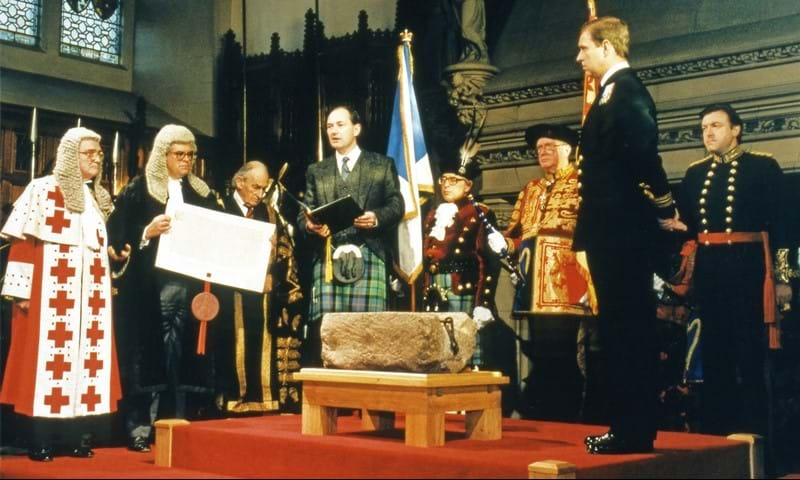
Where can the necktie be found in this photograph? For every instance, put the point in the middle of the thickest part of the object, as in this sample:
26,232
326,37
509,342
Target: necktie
345,168
249,213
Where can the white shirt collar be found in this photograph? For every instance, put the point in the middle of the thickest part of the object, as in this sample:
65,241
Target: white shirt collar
614,69
240,202
353,155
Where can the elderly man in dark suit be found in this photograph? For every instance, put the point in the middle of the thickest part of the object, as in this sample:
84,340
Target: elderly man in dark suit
258,333
625,197
371,179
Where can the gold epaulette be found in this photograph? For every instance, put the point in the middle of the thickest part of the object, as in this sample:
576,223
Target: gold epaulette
760,154
704,159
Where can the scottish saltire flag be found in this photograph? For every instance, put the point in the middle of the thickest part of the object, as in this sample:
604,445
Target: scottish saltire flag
407,148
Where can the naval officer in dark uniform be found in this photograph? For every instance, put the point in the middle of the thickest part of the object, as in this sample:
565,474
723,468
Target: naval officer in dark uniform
731,200
625,197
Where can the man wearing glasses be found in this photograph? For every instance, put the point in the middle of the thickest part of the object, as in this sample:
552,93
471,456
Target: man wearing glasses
555,296
156,334
461,269
61,375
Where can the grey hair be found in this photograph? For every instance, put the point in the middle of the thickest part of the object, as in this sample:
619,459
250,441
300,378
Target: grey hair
246,169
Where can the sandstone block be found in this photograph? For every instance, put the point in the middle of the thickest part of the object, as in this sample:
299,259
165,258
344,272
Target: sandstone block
398,341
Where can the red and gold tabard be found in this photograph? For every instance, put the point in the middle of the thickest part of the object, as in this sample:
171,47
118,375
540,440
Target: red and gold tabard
540,233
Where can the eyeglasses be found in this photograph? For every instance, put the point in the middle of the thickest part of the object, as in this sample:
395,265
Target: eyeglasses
549,147
93,154
184,155
449,181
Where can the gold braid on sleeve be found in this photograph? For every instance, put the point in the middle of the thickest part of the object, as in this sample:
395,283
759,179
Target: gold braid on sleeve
783,272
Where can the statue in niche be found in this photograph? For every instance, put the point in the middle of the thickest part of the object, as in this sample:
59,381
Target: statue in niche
472,18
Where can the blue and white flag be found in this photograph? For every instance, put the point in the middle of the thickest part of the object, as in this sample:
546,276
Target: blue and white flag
407,148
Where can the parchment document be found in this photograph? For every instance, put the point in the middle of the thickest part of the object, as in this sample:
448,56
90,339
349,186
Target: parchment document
217,247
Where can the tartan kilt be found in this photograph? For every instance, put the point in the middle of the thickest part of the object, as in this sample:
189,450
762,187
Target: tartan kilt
459,303
368,294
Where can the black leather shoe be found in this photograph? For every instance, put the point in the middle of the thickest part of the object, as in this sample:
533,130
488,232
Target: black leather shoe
611,444
139,444
41,454
82,452
593,439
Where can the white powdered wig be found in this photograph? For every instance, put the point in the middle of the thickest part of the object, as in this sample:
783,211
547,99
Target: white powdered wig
68,172
156,169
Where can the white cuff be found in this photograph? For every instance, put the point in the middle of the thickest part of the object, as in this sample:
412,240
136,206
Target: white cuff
482,316
18,280
144,241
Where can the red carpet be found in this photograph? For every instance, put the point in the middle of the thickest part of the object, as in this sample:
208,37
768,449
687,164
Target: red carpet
274,447
107,463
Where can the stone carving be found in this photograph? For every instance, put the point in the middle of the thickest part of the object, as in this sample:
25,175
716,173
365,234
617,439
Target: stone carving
538,92
397,341
669,137
522,156
468,77
466,90
473,31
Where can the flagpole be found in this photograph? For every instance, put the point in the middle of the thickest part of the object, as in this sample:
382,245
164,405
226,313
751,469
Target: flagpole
244,82
115,162
320,120
34,135
405,38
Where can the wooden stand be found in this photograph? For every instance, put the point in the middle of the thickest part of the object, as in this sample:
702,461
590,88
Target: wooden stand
164,440
755,452
424,398
552,469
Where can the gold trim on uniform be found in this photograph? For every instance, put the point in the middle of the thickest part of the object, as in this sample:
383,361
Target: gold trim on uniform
783,272
729,156
663,201
238,323
704,159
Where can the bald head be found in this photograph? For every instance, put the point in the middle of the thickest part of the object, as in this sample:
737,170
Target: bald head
251,182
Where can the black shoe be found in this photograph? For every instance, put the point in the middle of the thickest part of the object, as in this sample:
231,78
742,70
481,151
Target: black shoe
82,452
610,444
593,439
139,444
41,454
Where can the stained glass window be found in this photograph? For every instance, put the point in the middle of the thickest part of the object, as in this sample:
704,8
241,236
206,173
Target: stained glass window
84,33
19,21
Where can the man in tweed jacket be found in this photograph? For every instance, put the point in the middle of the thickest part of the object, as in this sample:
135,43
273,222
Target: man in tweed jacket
371,179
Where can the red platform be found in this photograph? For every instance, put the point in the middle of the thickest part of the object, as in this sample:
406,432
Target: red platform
274,447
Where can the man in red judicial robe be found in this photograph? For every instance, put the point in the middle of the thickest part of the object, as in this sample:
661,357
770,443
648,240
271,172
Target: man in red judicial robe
62,370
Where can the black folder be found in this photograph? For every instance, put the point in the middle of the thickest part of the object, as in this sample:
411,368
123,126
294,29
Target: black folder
337,215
